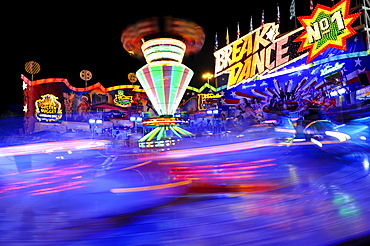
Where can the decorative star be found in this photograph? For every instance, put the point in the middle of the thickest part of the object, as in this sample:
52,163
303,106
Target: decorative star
24,86
233,94
326,27
263,83
314,79
25,108
358,62
361,71
315,70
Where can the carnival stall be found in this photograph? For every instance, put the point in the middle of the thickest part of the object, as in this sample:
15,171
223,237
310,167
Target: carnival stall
55,105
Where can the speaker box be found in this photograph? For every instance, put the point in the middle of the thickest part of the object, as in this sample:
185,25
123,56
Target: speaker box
364,78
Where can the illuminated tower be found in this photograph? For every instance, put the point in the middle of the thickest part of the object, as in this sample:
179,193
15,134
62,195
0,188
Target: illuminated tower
163,78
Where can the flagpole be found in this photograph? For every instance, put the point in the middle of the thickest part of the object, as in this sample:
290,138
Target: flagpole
227,36
216,42
237,31
295,22
278,16
216,48
251,25
292,13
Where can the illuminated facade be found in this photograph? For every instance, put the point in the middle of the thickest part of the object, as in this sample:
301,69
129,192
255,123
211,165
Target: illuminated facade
323,62
54,104
262,52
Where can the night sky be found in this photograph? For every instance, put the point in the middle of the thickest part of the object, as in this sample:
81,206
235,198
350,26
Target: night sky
65,39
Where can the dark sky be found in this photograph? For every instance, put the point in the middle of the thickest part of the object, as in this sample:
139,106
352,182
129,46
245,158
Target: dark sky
65,39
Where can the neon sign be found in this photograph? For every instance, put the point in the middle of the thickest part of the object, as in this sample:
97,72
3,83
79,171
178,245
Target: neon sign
48,108
122,100
256,53
326,27
331,69
210,95
206,100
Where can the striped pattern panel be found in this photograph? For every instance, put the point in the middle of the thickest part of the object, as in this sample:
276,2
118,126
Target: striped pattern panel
165,84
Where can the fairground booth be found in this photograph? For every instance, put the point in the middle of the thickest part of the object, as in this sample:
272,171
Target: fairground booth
55,105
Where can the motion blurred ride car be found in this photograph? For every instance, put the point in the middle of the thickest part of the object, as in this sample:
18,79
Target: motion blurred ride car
279,127
327,135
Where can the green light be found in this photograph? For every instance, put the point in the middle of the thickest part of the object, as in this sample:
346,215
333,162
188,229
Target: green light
206,85
150,135
157,75
183,131
177,73
175,132
161,133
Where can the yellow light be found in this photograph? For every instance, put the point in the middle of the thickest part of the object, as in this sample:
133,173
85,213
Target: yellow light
207,76
138,165
153,187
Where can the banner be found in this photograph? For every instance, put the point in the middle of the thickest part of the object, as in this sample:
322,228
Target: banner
257,53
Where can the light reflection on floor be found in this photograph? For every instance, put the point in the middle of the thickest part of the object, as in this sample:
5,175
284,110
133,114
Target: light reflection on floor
50,147
258,195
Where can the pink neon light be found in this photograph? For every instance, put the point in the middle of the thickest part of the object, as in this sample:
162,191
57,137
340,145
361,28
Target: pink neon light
29,149
233,177
182,88
219,148
99,86
64,187
167,82
235,163
220,169
210,173
151,85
